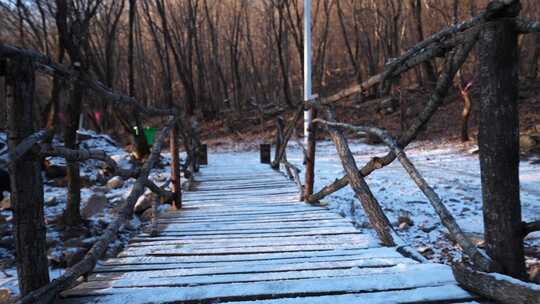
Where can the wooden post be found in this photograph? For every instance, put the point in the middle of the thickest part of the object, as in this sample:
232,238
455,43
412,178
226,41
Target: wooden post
175,169
3,112
27,187
265,153
371,206
309,114
310,159
498,140
203,154
279,136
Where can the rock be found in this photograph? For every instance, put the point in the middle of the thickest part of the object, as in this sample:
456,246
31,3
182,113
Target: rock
5,295
147,215
534,273
60,182
405,218
526,143
101,189
160,178
115,182
55,171
404,226
474,150
372,140
476,238
5,204
144,202
74,255
388,105
537,128
95,204
425,250
51,201
428,229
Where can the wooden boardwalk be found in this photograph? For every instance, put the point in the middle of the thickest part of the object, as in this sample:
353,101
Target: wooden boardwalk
243,237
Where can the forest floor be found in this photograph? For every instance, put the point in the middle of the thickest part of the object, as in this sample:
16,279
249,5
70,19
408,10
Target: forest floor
100,197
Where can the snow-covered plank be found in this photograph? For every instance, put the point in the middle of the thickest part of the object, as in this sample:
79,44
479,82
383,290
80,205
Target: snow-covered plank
249,276
443,293
179,250
268,258
235,242
268,211
141,271
244,234
323,217
429,275
249,228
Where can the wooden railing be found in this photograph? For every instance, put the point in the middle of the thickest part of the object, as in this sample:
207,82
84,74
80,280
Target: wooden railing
454,45
27,147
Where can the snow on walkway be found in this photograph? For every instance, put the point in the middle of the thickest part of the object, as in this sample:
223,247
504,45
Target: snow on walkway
243,237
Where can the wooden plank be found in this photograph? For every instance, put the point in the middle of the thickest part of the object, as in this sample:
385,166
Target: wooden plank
156,271
249,228
190,250
276,241
430,275
314,218
242,234
249,214
436,294
307,256
240,276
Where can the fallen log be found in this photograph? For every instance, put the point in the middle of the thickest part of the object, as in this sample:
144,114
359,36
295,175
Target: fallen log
497,287
48,293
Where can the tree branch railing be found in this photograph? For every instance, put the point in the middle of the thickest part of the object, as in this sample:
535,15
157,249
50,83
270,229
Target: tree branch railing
48,66
38,145
443,85
280,158
48,293
479,258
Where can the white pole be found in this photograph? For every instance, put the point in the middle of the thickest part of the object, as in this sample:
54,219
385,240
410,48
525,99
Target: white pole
307,67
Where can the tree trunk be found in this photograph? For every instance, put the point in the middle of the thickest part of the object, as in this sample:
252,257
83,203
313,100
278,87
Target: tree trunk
429,71
533,68
140,142
499,146
175,168
26,184
72,215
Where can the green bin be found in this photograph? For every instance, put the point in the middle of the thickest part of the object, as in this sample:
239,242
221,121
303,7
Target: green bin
150,133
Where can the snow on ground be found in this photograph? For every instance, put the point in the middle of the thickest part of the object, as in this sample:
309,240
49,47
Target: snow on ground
453,173
63,245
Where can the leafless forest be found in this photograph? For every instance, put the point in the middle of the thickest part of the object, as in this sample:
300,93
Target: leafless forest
464,72
219,57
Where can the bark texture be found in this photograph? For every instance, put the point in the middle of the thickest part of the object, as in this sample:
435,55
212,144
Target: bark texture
502,289
498,139
26,184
